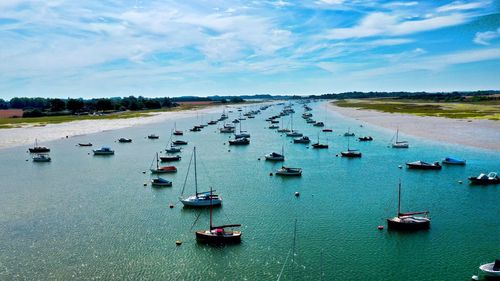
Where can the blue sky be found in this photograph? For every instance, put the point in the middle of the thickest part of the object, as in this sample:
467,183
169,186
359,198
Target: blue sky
58,48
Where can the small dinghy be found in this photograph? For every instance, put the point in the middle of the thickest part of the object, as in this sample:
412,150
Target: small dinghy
153,136
124,140
491,178
421,165
85,144
287,171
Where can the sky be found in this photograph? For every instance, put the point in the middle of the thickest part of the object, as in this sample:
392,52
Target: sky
106,48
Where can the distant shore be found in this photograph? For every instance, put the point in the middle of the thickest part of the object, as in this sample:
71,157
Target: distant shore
474,133
26,135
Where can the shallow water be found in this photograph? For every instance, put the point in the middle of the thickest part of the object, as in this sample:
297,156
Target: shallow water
84,217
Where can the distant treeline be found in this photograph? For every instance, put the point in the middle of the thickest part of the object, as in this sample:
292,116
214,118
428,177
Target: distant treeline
438,96
36,107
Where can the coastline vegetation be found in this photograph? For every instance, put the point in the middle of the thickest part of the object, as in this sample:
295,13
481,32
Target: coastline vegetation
472,108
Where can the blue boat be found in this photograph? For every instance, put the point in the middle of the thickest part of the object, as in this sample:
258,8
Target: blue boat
453,161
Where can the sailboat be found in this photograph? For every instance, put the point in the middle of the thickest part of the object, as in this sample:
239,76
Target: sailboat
348,133
199,199
38,149
350,153
163,169
177,132
319,145
293,133
159,182
172,148
242,134
273,156
218,234
398,143
408,221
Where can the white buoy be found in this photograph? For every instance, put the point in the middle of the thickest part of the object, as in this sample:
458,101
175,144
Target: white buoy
297,194
401,167
475,278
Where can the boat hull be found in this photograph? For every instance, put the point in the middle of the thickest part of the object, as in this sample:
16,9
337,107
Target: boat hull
39,150
476,181
350,154
397,224
423,167
205,236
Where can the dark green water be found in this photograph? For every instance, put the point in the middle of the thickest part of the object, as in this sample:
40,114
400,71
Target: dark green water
82,217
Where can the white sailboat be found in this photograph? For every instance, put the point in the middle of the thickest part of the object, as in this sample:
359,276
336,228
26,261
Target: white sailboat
273,156
398,143
199,199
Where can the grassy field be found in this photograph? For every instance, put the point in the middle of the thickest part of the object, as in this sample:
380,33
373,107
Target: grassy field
6,123
459,110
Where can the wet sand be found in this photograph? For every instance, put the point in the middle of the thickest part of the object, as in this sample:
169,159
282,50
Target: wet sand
469,132
26,135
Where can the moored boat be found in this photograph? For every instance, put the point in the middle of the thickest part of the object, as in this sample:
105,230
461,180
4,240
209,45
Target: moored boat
239,141
350,153
368,138
319,124
173,149
349,133
103,151
399,144
483,179
294,134
170,158
41,158
287,171
303,139
124,140
327,130
453,161
38,149
274,156
179,142
160,182
491,269
218,234
408,221
421,165
163,169
85,144
199,199
153,136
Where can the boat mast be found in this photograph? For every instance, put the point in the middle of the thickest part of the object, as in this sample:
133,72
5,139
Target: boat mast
196,175
397,135
210,207
399,198
293,247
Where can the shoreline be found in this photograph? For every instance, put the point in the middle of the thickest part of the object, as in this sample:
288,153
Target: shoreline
484,134
15,137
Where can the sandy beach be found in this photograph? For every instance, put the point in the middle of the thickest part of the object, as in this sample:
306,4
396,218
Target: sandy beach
469,132
26,135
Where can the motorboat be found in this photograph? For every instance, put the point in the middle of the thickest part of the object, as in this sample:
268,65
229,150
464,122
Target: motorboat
368,138
199,199
453,161
242,135
287,171
212,122
310,121
491,269
41,158
275,121
170,158
303,139
195,129
103,151
283,130
421,165
179,142
124,140
38,149
273,156
483,179
349,133
235,121
274,127
319,124
319,145
160,182
153,136
408,221
239,141
327,130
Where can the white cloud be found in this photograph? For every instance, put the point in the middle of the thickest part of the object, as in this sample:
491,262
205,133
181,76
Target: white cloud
378,23
461,6
484,38
330,2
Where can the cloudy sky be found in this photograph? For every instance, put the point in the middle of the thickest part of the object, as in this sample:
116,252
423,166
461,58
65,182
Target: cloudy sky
59,48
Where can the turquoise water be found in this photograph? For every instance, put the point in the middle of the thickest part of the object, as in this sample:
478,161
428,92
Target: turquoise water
83,217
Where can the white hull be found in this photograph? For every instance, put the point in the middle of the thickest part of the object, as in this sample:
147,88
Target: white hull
487,269
195,201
